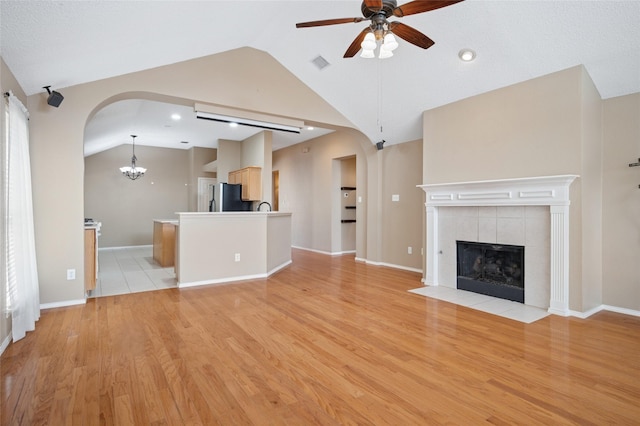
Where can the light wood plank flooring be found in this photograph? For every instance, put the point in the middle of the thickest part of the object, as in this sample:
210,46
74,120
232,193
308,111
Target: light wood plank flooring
325,341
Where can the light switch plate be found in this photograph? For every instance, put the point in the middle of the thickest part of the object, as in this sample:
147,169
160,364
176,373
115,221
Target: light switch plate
395,197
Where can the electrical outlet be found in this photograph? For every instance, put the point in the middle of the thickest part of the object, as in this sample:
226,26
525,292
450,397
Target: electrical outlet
422,251
237,258
71,274
409,250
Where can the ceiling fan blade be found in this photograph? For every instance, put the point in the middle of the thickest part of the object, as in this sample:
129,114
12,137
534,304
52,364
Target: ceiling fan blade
355,45
420,6
411,35
328,22
373,5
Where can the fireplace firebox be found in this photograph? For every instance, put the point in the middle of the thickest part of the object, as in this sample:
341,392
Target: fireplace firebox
492,269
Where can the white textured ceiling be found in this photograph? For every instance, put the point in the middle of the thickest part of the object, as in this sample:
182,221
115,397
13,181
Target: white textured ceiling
64,43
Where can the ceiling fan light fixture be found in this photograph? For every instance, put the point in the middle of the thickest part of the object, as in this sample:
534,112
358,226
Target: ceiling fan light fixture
467,55
369,42
367,53
385,53
390,42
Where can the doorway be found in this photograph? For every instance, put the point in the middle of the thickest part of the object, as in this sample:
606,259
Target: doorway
205,193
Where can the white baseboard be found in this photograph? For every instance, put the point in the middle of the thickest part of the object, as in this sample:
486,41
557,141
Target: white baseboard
124,247
390,265
5,343
277,268
328,253
221,280
63,304
609,308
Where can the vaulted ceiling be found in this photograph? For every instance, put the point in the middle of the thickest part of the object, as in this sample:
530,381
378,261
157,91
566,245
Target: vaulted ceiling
65,43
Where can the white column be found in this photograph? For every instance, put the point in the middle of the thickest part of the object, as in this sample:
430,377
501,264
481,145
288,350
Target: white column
431,277
559,294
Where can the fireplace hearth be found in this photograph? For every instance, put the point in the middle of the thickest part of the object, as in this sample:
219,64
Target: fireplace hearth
492,269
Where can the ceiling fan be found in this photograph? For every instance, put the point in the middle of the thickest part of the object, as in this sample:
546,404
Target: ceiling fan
378,11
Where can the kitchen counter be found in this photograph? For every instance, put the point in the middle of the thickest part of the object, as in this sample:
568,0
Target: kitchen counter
231,246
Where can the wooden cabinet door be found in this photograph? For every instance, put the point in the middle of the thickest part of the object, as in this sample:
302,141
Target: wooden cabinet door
251,180
90,267
234,177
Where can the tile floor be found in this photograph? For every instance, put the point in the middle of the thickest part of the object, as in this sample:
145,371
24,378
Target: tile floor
130,270
493,305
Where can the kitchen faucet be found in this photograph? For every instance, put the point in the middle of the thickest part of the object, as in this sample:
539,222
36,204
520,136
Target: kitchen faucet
264,202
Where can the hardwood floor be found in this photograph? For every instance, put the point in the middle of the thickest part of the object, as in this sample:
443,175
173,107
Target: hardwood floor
324,341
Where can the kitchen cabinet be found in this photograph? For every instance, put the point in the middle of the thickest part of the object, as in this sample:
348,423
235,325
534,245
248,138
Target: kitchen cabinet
90,259
251,180
164,242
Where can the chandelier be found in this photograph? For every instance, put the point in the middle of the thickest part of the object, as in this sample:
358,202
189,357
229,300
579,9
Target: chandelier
133,172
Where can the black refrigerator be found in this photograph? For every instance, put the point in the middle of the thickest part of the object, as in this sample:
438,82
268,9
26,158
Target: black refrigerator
227,197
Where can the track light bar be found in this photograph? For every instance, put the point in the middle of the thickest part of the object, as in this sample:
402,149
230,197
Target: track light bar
248,122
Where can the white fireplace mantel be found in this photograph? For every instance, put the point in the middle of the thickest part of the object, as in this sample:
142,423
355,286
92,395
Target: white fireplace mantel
550,191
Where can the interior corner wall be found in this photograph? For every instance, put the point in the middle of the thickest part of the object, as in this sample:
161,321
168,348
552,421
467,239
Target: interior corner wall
402,172
591,197
126,208
534,128
229,158
307,187
621,202
8,82
256,151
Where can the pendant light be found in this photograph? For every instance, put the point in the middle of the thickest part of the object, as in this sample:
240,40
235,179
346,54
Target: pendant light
133,172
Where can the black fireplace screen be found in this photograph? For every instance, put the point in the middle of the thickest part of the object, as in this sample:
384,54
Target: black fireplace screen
492,269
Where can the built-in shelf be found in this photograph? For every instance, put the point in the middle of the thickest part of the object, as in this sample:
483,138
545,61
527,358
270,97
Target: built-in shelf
349,207
348,221
348,188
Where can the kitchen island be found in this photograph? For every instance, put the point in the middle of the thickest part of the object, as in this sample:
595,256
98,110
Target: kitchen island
231,246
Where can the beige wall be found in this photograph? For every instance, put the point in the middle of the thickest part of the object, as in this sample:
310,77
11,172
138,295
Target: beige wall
529,129
310,180
309,189
57,138
209,242
127,208
591,188
402,220
621,202
7,83
256,151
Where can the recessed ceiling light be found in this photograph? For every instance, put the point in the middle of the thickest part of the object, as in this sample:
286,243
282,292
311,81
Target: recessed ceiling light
467,55
309,127
232,124
175,117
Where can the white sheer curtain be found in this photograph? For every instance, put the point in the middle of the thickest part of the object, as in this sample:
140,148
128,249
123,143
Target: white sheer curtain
19,257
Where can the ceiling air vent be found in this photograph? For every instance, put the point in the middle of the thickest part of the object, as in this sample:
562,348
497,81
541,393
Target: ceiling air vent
320,62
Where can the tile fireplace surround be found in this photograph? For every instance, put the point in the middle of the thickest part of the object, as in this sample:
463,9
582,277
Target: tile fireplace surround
533,212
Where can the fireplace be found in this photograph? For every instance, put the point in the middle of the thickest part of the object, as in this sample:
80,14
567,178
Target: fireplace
548,287
492,269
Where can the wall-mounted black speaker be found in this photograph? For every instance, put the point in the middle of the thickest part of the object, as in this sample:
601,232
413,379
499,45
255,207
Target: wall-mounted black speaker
55,98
